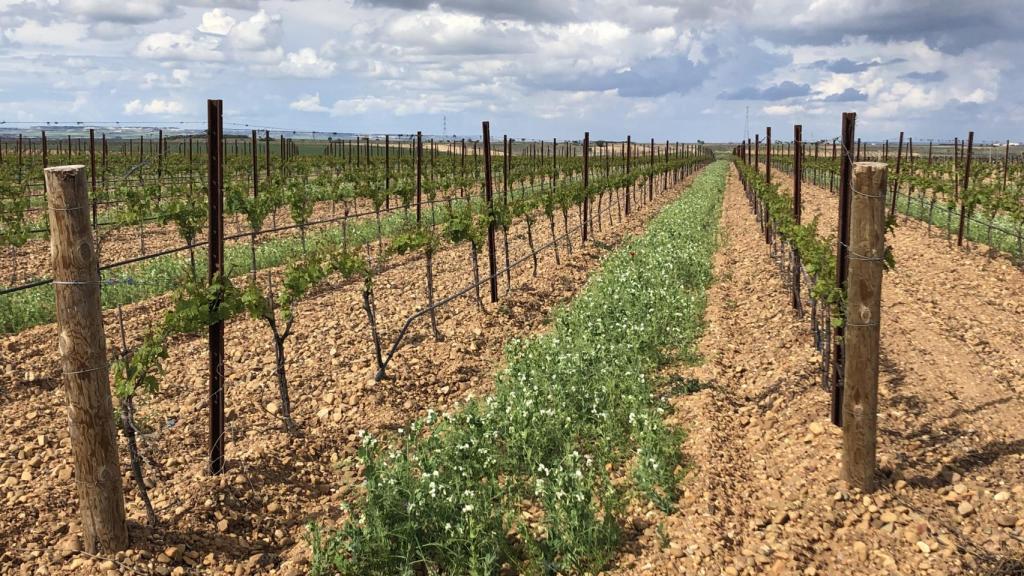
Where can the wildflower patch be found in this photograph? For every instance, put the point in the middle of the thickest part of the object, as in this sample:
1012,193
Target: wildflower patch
537,477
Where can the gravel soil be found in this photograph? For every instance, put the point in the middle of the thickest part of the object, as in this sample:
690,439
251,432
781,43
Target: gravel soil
763,495
252,519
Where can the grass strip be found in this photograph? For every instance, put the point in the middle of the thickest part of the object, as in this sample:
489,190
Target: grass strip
538,477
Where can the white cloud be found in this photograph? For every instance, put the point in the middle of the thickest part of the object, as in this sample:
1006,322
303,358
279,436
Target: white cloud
155,106
33,33
783,109
216,22
178,78
261,31
185,46
308,103
132,11
306,63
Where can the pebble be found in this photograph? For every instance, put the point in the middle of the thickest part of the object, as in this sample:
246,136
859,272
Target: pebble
272,408
965,509
923,547
1006,520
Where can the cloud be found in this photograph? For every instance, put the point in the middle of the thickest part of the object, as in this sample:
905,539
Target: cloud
178,78
34,33
216,22
260,32
845,66
949,26
124,11
527,10
184,46
781,91
155,106
783,109
848,95
308,103
306,63
937,76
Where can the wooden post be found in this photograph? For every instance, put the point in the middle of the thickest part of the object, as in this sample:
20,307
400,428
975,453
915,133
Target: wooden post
896,183
650,177
92,172
492,255
215,163
83,353
586,184
419,174
863,308
798,161
629,154
845,177
967,182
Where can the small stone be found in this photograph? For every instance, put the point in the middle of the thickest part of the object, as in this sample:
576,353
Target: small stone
1001,496
900,485
173,552
222,526
272,408
26,475
407,405
65,473
1006,520
923,547
816,428
69,545
861,550
273,507
889,518
965,509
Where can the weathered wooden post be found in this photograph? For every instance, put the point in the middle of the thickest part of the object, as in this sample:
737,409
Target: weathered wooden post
798,160
215,269
492,257
83,349
842,260
967,183
586,185
899,174
862,335
629,153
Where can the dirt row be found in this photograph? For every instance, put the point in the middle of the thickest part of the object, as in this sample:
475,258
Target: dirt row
252,519
763,495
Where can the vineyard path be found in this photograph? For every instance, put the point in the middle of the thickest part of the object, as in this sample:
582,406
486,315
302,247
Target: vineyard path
763,495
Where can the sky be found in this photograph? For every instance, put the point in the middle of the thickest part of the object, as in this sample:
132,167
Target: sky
663,69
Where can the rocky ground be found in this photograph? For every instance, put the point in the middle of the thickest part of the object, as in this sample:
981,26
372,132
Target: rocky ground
252,519
763,495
